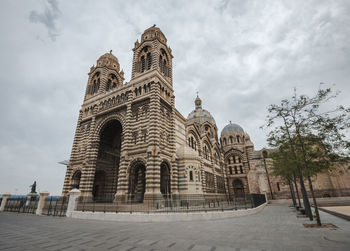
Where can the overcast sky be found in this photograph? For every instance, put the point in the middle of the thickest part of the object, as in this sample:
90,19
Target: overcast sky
240,55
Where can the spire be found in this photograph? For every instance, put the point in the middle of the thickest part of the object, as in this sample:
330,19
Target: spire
198,102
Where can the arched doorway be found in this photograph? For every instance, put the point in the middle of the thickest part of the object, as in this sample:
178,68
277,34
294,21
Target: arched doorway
137,182
238,188
99,185
165,179
76,179
105,186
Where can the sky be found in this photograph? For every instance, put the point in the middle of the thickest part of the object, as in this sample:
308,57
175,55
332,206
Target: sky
240,56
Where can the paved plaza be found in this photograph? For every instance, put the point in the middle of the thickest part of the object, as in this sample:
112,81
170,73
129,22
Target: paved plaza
274,228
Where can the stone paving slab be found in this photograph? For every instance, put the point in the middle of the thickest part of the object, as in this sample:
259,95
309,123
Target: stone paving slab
274,228
339,209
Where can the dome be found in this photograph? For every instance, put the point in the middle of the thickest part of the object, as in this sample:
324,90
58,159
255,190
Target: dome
109,60
232,128
109,55
153,32
200,115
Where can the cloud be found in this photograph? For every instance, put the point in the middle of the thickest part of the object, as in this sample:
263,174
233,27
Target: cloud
240,55
48,18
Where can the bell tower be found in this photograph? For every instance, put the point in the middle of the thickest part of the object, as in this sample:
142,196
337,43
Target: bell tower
152,53
105,76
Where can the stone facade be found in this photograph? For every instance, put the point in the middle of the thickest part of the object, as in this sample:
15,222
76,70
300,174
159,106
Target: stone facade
131,143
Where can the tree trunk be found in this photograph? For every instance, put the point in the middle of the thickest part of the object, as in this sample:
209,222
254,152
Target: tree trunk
305,198
318,219
292,193
296,189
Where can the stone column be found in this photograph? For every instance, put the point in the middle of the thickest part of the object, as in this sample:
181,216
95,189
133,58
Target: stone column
4,200
153,150
122,186
88,172
72,203
41,203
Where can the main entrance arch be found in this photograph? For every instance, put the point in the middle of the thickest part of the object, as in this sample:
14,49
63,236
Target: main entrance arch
107,164
137,182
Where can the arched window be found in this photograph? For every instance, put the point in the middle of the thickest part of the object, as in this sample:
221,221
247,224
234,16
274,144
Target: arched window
95,80
108,85
238,139
231,139
143,64
112,82
192,142
241,169
236,171
149,61
206,152
230,169
163,63
225,143
144,61
191,175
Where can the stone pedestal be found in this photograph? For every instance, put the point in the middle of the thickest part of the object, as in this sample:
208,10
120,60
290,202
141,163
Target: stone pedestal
4,201
41,203
73,201
31,197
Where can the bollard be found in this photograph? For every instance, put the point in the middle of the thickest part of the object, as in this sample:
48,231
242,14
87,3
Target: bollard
72,202
4,201
266,200
41,203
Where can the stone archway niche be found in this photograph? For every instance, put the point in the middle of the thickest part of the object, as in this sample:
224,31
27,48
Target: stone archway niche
137,182
165,180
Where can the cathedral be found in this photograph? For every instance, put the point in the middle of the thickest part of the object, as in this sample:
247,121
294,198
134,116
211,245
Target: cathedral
132,144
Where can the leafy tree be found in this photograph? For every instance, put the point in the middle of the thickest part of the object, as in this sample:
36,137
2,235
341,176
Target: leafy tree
284,166
314,133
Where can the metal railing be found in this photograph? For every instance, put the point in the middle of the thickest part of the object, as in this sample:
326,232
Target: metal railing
22,204
55,206
170,203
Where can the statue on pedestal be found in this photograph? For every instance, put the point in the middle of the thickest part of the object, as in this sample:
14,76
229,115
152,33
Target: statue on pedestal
33,190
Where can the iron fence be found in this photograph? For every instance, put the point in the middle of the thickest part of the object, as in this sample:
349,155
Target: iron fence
55,206
22,204
170,203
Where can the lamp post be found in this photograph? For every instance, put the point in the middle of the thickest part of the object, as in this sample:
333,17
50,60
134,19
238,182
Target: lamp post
267,173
